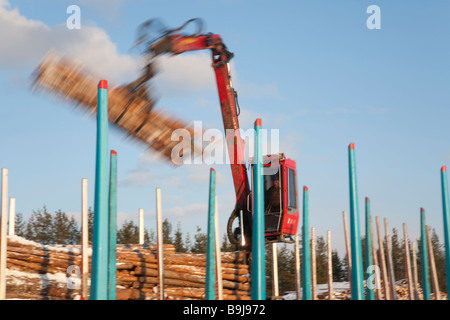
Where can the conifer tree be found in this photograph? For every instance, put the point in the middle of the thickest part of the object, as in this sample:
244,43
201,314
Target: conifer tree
200,240
128,233
178,240
39,227
338,272
167,232
20,225
321,260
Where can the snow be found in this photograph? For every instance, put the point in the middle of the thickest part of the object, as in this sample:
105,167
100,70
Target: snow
53,248
338,287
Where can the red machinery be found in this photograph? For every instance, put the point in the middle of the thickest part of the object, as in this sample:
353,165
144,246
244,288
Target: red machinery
281,219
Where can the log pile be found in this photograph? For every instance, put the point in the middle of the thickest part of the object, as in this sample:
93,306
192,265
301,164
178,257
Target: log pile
67,78
41,272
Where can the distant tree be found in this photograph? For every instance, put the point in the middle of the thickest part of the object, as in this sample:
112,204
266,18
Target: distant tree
167,232
178,240
65,229
151,236
439,259
20,225
338,270
286,269
199,242
39,227
321,260
226,245
398,255
128,233
188,242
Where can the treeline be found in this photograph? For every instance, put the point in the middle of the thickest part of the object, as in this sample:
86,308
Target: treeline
58,228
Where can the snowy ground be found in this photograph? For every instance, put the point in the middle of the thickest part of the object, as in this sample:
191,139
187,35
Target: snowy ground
339,288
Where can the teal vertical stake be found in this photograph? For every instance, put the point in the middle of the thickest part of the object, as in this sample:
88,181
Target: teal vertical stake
424,257
112,253
99,270
306,270
210,282
445,211
258,284
370,289
355,239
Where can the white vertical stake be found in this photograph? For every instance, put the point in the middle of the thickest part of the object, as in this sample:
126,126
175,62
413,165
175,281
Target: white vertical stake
408,264
12,215
141,226
84,239
159,237
434,279
330,267
275,291
3,221
218,253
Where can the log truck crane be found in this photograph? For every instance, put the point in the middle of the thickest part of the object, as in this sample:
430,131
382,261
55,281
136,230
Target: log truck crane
281,215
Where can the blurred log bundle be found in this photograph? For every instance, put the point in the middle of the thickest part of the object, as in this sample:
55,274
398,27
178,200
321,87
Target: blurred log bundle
67,79
137,272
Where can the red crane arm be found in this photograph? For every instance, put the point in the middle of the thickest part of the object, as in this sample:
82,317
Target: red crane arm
177,44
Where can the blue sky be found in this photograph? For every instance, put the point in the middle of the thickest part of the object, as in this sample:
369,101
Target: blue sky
311,69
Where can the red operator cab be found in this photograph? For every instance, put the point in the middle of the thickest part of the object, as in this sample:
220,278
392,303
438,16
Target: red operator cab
281,206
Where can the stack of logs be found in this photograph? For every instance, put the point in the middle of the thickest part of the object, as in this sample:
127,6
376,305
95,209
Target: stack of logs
137,272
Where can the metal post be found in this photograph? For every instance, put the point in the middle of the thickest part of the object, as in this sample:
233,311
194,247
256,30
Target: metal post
446,214
306,274
370,290
3,240
357,268
210,283
12,216
99,273
159,239
112,255
84,240
424,257
258,285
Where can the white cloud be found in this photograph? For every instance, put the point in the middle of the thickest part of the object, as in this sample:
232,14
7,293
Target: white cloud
183,74
27,41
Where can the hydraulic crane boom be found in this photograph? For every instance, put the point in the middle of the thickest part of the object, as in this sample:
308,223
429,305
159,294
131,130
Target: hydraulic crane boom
178,44
175,43
281,211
